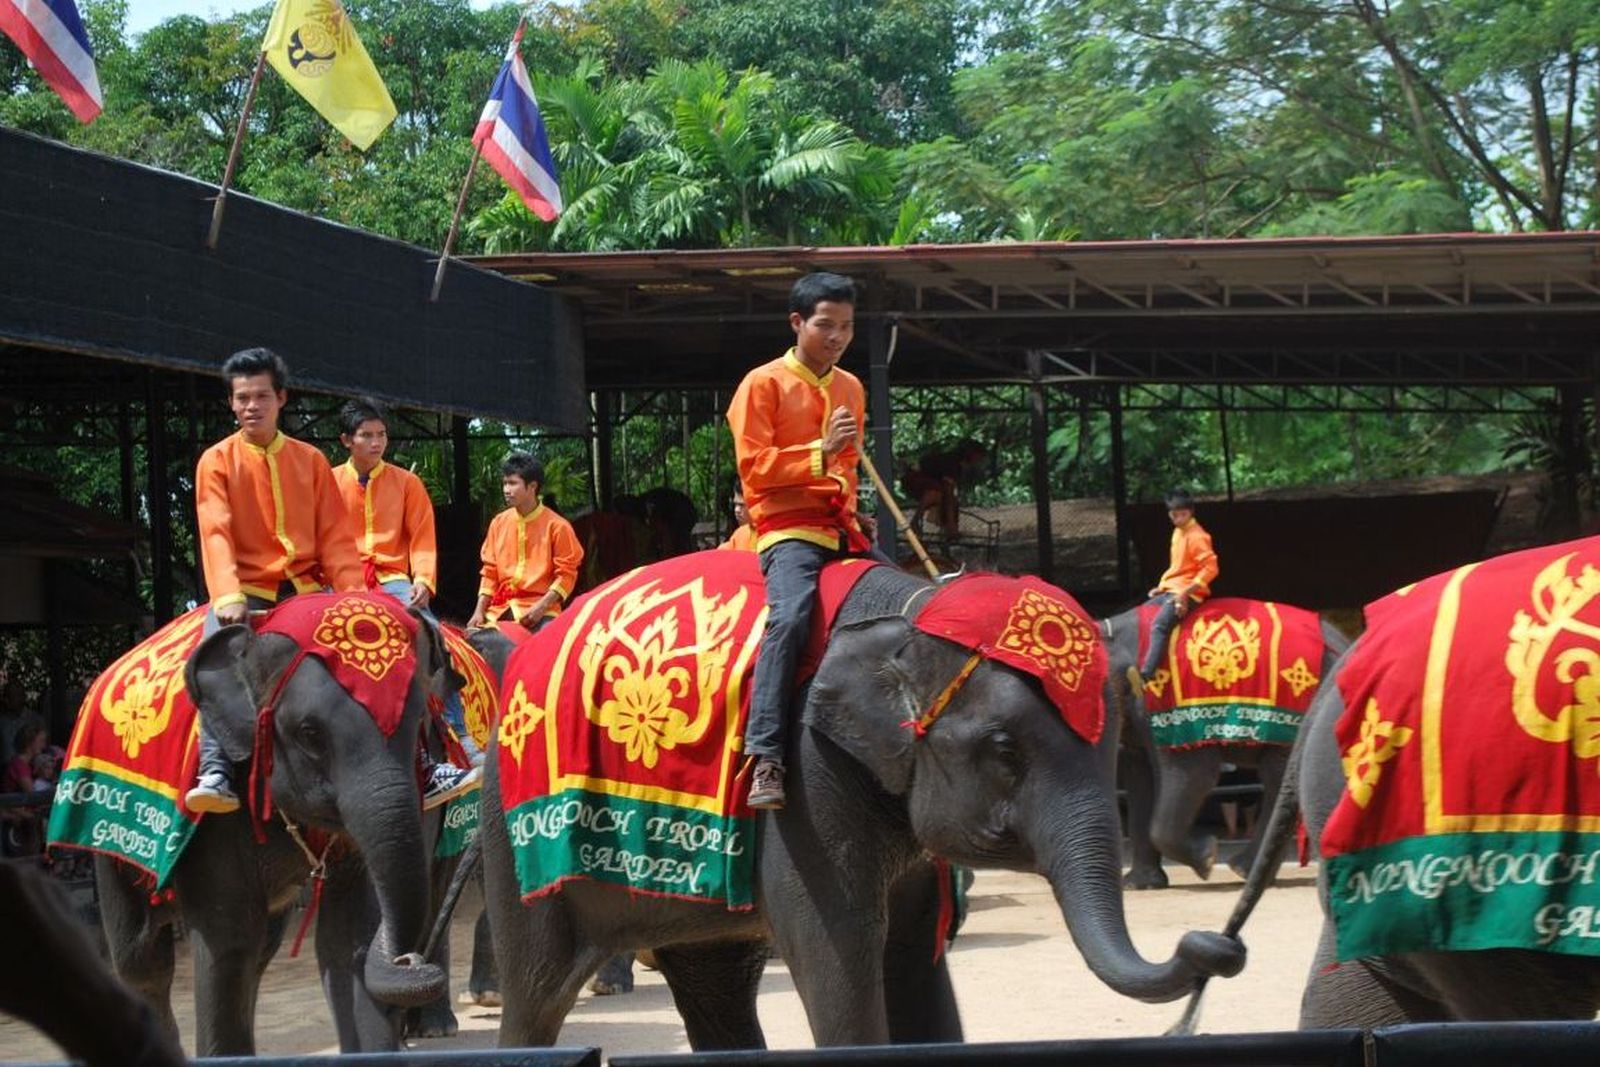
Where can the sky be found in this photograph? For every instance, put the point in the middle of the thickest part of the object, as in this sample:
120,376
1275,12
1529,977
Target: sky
142,14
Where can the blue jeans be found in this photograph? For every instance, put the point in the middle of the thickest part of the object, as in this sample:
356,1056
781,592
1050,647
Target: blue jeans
1166,618
791,569
454,712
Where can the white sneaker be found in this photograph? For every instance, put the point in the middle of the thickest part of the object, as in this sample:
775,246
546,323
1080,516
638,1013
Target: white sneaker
448,782
212,795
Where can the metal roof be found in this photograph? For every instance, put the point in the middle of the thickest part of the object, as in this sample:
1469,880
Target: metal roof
1446,308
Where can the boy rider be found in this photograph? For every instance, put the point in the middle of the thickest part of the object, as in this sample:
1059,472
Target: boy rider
1187,581
530,555
795,424
391,517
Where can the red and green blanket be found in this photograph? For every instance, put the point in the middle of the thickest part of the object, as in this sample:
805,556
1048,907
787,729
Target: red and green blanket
621,730
1237,672
480,697
1470,748
133,755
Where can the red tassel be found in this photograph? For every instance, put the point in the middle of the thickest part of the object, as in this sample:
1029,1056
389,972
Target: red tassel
947,908
1302,841
311,910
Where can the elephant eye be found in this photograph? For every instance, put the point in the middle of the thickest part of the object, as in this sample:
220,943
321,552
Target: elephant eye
309,734
1005,751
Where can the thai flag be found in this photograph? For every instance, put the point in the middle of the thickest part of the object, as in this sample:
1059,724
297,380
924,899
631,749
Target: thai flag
50,34
511,136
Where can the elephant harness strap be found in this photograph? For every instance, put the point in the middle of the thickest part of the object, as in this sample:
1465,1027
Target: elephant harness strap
936,708
259,793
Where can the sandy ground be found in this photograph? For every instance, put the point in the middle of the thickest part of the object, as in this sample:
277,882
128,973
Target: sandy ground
1016,972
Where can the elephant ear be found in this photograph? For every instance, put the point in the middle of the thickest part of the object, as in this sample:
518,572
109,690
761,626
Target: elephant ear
866,691
228,676
433,657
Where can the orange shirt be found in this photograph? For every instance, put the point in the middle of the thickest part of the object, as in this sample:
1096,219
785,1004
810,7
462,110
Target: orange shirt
269,515
779,415
525,557
391,518
741,540
1193,563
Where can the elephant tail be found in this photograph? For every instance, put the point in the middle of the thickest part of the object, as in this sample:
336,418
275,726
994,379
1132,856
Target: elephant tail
1281,827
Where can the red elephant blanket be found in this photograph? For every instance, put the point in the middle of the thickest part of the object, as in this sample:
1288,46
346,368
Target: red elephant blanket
133,755
1470,817
621,728
480,699
1237,672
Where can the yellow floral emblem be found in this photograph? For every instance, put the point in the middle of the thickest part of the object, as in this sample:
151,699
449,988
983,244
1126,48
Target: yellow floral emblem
1564,610
1299,676
1158,682
521,719
652,670
1223,650
1363,762
478,689
137,699
364,637
1050,634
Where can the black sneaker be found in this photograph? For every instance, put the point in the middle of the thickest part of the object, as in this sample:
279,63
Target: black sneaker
766,785
448,782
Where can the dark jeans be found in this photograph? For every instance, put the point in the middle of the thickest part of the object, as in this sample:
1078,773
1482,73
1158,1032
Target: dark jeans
1160,629
791,569
212,759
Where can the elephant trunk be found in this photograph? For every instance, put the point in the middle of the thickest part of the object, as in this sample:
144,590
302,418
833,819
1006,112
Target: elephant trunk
388,831
1076,840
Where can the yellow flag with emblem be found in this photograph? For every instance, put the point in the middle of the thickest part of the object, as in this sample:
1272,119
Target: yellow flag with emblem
313,45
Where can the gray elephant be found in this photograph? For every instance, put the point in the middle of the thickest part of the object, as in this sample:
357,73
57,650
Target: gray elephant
844,887
1166,787
334,770
1494,888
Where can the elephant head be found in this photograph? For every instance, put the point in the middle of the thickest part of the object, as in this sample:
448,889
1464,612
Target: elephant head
999,780
333,767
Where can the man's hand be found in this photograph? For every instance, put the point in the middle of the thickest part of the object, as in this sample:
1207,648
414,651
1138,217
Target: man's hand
479,620
232,614
1180,604
421,596
841,431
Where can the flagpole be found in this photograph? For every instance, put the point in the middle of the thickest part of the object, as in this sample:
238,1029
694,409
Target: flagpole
455,224
233,153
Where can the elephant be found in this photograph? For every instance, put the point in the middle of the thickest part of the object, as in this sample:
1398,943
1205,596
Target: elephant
1415,987
1166,787
333,770
844,886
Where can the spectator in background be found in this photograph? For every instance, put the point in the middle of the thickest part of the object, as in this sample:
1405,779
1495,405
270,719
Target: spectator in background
14,713
531,556
743,537
937,480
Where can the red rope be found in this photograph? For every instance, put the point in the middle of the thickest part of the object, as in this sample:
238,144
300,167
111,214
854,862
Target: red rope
947,907
317,881
259,794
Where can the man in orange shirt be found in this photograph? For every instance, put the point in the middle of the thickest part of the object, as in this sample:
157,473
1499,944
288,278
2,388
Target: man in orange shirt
795,424
391,517
271,525
1192,568
530,555
743,537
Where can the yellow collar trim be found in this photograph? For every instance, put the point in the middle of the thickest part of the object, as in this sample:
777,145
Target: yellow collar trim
270,449
530,516
794,363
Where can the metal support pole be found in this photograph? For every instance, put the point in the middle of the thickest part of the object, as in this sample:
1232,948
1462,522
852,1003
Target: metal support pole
125,489
1039,440
604,449
1119,493
158,502
719,499
1227,446
460,461
881,416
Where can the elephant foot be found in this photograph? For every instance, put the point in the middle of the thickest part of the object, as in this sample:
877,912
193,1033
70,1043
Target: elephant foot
1145,878
432,1020
1239,863
1207,860
482,998
615,976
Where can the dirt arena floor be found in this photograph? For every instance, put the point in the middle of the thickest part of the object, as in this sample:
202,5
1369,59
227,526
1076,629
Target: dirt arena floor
1017,976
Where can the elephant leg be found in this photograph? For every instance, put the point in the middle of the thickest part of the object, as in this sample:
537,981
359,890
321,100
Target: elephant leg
1270,769
541,982
1509,984
920,1000
615,976
436,1018
1361,993
714,987
1186,777
228,950
347,918
140,939
1138,780
483,986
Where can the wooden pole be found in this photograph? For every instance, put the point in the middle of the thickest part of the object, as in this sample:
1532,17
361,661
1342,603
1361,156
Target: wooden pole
455,224
900,521
233,153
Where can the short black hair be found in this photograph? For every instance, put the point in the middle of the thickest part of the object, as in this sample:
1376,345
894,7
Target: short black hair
248,362
361,409
524,466
1179,498
811,290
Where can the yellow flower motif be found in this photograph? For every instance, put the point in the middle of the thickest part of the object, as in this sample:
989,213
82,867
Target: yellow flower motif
641,714
1363,762
138,696
521,719
364,637
1299,676
1051,635
1224,650
1158,681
